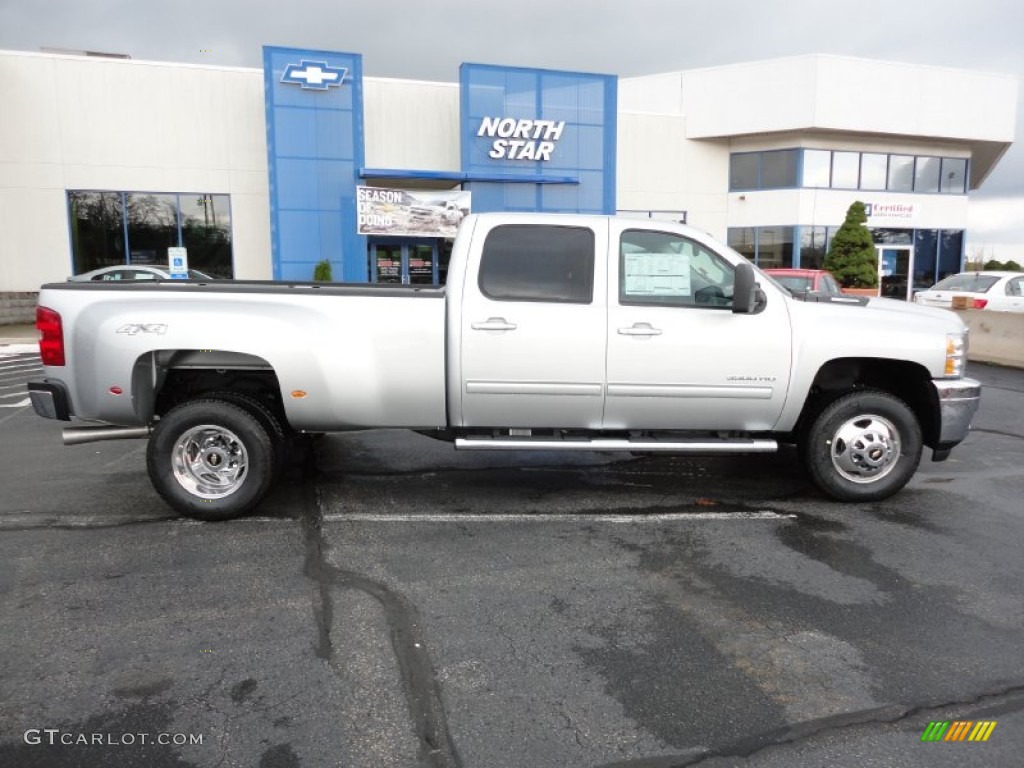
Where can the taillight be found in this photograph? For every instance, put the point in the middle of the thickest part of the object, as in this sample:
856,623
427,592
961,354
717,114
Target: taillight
51,336
980,303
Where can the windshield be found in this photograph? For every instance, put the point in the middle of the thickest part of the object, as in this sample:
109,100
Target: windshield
795,283
967,282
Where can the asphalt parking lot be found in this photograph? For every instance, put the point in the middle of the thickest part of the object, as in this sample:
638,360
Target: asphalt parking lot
395,603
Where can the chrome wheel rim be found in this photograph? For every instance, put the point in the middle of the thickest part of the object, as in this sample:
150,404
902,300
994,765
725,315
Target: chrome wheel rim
209,461
865,449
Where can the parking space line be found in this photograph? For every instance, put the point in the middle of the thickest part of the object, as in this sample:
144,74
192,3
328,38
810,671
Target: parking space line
554,517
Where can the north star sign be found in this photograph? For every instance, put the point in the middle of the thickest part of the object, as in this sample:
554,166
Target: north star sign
521,139
314,74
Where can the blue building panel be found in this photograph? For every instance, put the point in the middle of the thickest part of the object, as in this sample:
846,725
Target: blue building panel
538,123
314,106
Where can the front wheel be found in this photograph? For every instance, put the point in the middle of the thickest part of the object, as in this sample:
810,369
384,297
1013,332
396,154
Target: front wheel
865,446
210,460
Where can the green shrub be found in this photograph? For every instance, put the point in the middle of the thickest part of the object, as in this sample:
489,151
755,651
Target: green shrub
994,264
1011,266
322,272
851,256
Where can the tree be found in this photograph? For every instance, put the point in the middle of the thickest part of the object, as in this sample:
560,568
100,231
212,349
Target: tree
851,256
322,272
1012,266
993,265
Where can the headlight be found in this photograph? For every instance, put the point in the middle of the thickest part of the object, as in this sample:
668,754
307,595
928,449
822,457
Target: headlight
956,354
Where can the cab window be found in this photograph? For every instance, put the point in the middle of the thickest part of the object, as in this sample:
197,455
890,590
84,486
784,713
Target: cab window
667,269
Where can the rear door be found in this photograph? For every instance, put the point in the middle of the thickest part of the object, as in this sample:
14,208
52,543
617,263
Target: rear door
532,325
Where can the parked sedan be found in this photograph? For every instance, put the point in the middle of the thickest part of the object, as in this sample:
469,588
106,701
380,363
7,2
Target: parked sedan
995,291
803,280
135,272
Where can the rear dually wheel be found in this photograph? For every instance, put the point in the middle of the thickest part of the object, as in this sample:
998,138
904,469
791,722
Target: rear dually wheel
211,460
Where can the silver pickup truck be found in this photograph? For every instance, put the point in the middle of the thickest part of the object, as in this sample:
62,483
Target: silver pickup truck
567,333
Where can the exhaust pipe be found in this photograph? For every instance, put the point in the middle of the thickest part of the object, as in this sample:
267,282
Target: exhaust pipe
79,435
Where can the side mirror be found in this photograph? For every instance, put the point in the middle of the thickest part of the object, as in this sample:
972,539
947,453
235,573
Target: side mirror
744,290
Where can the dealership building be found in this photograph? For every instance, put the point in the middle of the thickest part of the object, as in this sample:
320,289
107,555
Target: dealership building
264,173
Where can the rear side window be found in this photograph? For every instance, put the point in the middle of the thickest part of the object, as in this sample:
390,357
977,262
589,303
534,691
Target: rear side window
538,263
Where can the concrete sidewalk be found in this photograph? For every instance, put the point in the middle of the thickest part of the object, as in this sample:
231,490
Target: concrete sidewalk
18,334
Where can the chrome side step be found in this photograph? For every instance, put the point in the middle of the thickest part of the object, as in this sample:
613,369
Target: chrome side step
696,446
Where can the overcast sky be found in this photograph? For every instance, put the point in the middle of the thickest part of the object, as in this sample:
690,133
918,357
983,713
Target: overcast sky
428,39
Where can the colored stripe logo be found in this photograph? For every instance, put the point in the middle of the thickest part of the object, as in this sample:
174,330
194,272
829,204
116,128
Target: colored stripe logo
958,730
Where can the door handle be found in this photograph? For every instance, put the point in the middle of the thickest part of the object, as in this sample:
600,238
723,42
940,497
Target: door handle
494,324
640,329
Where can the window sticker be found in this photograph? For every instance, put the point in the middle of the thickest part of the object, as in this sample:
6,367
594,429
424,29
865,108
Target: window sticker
657,274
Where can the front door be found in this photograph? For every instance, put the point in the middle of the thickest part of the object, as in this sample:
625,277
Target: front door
408,262
895,266
678,358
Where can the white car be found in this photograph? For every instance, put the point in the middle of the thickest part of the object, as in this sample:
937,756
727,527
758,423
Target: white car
995,291
135,272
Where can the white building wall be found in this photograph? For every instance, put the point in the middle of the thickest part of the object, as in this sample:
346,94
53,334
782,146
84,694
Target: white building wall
659,170
411,125
109,124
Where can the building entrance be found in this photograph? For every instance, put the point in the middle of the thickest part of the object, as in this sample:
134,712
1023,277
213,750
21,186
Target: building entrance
408,261
895,266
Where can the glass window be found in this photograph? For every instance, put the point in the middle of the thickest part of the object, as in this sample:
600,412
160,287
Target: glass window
667,269
951,248
892,236
538,263
830,232
1015,287
774,247
845,170
830,286
925,258
926,174
743,171
873,171
97,230
206,233
972,283
812,247
901,173
778,169
152,227
954,175
817,168
743,241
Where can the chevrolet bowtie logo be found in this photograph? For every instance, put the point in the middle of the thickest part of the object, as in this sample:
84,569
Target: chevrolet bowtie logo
314,74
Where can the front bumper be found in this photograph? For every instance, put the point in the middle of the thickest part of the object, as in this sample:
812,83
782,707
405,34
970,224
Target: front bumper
958,402
50,399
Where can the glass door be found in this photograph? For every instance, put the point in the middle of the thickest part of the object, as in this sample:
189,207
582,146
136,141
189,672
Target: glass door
422,263
386,262
408,262
895,266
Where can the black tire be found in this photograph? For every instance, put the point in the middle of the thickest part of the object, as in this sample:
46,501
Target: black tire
864,446
210,460
279,436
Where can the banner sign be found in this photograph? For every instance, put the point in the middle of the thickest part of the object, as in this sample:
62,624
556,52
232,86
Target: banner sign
410,213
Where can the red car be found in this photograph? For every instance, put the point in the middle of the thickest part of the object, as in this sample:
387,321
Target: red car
803,280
